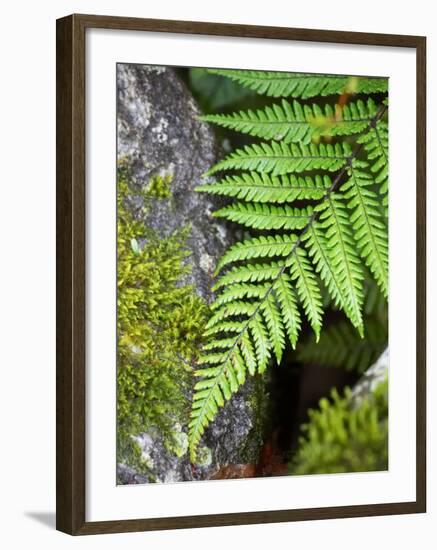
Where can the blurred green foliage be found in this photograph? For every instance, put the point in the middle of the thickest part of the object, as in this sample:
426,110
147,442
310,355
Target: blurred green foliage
342,436
215,92
159,323
340,345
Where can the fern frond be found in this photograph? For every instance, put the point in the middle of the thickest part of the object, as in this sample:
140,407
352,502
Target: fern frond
318,248
274,325
376,145
269,246
222,343
239,291
261,341
250,349
294,123
225,327
263,187
210,393
307,289
239,367
286,298
211,358
263,216
248,352
250,272
346,265
236,308
281,158
368,226
267,282
301,85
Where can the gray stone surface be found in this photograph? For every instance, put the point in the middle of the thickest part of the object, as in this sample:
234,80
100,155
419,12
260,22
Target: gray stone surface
159,133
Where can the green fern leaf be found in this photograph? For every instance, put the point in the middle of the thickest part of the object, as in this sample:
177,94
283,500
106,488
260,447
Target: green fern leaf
318,249
239,368
290,313
296,123
269,246
286,122
240,291
219,382
232,309
210,393
351,118
263,216
225,327
376,145
248,353
334,218
222,343
281,158
274,325
273,189
308,289
211,358
300,85
368,226
261,341
251,272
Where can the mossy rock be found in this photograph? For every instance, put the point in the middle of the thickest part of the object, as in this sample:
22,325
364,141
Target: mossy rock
170,240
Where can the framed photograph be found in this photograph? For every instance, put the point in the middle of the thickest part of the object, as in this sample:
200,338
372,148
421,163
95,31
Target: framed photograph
240,274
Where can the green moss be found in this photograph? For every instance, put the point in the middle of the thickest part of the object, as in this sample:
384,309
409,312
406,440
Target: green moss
179,442
131,454
159,187
341,438
204,456
159,323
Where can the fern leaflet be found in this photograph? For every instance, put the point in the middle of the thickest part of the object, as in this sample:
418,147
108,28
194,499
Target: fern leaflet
296,123
368,226
263,187
296,85
334,219
262,216
280,158
376,145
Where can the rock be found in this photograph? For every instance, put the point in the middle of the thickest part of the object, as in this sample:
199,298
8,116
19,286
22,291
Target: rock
160,136
129,476
165,465
373,376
